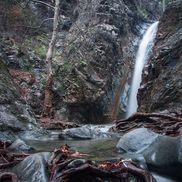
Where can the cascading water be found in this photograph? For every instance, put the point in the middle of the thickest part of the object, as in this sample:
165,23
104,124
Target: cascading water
142,55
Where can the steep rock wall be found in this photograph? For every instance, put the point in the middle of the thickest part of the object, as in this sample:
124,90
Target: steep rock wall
15,114
97,54
162,87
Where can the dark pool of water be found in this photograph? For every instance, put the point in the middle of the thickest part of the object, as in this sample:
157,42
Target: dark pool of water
96,149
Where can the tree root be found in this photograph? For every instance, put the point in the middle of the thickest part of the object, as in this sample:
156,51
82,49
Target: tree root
159,123
88,171
8,176
8,160
51,124
63,167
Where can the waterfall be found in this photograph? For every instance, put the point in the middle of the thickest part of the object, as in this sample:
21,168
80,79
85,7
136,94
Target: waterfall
141,58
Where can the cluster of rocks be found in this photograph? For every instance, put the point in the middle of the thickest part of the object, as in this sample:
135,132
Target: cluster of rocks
158,153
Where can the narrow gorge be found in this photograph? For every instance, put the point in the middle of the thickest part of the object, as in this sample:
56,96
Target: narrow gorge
90,91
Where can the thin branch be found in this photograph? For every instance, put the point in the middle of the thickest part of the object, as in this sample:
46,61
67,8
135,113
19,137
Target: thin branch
41,2
19,4
43,21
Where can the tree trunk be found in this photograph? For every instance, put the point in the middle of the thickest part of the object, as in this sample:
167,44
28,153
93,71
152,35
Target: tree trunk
163,5
47,105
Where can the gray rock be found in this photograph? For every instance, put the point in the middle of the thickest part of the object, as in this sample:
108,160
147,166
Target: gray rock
180,150
136,141
94,63
163,89
88,132
7,135
33,168
162,154
19,145
15,114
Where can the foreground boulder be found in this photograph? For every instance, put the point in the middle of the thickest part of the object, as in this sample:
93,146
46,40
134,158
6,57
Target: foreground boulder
144,138
161,153
33,168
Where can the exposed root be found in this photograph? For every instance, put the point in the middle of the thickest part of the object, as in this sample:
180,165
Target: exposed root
63,167
160,123
8,176
8,160
48,123
62,170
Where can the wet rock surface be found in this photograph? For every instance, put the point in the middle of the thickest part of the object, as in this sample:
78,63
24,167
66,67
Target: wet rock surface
143,139
19,145
162,88
161,153
88,132
15,114
64,164
164,156
33,168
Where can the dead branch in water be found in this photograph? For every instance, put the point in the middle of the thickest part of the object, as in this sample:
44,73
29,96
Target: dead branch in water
158,122
63,168
7,160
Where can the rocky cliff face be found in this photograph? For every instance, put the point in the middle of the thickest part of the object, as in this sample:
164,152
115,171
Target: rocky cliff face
97,54
162,87
15,114
96,47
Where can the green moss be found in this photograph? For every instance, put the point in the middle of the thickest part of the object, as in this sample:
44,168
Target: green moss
67,66
41,51
30,19
3,69
143,12
37,44
83,62
2,65
72,49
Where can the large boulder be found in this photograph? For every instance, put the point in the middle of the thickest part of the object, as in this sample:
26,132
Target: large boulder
164,156
143,139
160,153
33,168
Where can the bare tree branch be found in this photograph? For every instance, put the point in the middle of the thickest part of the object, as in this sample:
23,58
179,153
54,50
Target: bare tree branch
41,2
43,21
47,107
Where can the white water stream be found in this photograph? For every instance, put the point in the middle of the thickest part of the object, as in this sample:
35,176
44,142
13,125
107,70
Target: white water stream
141,58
